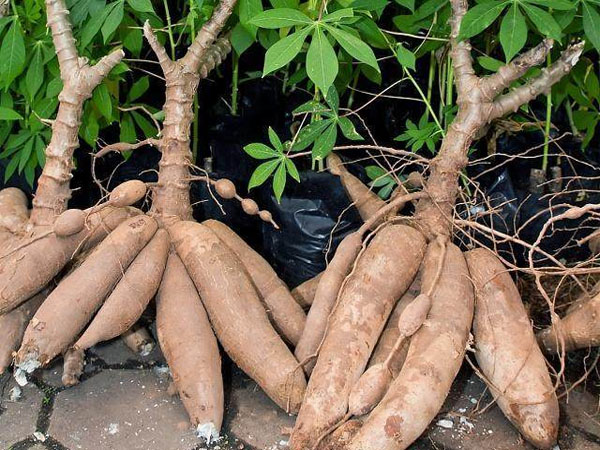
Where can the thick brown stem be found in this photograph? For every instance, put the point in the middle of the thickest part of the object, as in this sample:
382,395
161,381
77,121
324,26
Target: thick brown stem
477,107
79,80
171,199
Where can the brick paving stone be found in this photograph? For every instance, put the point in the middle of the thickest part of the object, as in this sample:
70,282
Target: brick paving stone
583,411
121,409
254,418
459,427
17,418
468,430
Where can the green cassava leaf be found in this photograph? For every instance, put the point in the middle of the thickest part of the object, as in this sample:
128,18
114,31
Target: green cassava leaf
325,142
513,32
12,53
260,151
283,51
354,46
348,129
262,172
543,21
35,73
138,89
279,180
9,114
141,5
101,98
292,169
280,18
247,10
591,24
406,57
275,141
481,16
321,61
113,20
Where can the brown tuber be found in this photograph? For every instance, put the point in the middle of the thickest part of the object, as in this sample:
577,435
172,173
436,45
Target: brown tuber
249,206
69,222
508,354
127,193
225,188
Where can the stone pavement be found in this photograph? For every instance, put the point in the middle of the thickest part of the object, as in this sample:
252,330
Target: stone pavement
122,403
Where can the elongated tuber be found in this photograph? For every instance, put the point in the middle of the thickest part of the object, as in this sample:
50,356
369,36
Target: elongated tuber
325,298
81,293
435,355
190,348
287,316
508,354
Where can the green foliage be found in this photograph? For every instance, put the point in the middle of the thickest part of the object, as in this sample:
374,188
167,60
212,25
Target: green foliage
278,162
326,31
381,180
329,47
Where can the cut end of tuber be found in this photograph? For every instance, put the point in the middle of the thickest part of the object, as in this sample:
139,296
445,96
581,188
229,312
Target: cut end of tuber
208,432
29,363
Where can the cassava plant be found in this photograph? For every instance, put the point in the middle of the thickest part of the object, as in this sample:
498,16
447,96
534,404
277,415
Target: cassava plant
38,244
355,295
204,276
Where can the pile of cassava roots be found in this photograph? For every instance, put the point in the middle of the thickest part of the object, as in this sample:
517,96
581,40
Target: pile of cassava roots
370,363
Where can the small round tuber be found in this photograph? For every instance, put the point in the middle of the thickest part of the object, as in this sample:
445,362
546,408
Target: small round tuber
414,180
249,206
225,188
265,216
369,389
69,222
127,193
414,315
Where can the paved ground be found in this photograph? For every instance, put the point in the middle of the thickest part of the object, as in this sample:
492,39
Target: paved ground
123,404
